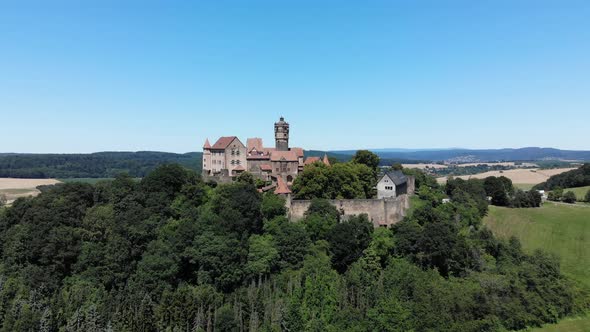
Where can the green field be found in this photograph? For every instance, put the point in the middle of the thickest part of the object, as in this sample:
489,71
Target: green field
84,180
577,324
90,180
579,191
524,186
556,228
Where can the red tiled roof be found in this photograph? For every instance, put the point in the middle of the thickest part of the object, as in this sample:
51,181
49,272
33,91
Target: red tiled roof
282,188
298,151
254,143
266,167
286,155
239,168
311,160
256,154
206,145
223,142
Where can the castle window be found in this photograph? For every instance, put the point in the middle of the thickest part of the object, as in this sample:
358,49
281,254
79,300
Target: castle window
237,162
232,162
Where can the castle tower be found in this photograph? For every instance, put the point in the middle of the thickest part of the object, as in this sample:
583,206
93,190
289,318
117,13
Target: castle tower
206,157
282,135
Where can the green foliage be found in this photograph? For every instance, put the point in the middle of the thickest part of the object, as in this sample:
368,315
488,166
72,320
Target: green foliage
273,206
94,165
569,197
171,253
587,197
367,158
522,199
320,218
499,188
348,240
579,177
555,195
340,181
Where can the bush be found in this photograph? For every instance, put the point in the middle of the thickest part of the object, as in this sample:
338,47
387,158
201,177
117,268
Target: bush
569,197
587,198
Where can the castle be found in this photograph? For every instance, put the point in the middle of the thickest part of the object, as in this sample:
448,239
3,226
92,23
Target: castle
229,157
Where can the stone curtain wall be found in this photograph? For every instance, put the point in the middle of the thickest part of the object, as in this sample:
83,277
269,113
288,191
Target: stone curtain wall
382,212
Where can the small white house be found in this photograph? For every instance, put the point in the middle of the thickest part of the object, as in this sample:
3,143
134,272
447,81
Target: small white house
392,184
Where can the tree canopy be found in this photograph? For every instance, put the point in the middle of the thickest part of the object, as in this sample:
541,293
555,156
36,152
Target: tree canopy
172,253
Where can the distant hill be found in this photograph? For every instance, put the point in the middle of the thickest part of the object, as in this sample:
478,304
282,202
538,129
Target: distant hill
93,165
485,155
138,164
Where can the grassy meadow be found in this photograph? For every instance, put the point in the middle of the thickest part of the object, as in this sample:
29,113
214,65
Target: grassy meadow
557,228
579,191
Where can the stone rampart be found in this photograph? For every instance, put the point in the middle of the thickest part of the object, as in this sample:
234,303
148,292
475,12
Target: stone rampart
381,212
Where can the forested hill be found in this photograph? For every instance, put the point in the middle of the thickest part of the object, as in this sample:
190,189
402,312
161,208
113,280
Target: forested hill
467,155
173,253
93,165
575,178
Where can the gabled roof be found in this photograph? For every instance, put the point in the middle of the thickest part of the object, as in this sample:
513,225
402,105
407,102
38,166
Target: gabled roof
206,145
283,156
254,143
223,142
239,168
282,188
311,160
396,176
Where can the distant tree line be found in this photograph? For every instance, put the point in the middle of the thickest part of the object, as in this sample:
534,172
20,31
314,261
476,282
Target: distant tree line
579,177
95,165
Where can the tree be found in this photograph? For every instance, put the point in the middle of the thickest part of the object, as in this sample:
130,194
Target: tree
246,177
3,200
498,188
272,206
323,208
262,255
397,167
348,240
368,158
555,195
569,197
319,219
587,197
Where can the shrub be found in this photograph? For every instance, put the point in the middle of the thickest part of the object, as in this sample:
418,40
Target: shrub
569,197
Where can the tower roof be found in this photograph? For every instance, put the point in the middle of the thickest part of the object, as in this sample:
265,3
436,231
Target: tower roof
207,145
326,160
281,122
282,188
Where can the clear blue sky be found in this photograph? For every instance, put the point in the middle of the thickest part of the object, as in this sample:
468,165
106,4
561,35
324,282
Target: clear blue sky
85,76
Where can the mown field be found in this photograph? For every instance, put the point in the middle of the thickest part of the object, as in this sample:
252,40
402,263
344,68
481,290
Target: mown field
579,191
561,229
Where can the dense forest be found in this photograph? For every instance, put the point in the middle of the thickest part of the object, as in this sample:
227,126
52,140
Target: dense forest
172,253
94,165
579,177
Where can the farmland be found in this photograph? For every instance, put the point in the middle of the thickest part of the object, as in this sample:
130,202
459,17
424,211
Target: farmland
557,228
520,177
15,188
579,191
